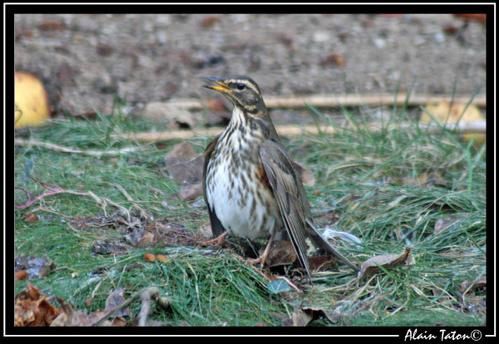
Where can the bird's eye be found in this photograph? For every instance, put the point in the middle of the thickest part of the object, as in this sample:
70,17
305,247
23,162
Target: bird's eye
240,86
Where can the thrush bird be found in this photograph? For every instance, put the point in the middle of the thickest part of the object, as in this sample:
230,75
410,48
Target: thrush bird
250,185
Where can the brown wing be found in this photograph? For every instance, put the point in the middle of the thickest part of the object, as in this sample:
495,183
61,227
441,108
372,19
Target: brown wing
216,226
289,194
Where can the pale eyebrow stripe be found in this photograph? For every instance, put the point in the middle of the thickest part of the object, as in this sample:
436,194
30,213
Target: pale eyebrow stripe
250,85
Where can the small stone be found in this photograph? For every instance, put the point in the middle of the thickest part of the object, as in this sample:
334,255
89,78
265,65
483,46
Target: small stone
321,36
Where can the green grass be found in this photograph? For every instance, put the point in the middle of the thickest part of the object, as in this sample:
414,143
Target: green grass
389,188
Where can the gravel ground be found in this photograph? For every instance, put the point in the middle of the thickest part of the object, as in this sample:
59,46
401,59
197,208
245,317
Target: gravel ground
86,60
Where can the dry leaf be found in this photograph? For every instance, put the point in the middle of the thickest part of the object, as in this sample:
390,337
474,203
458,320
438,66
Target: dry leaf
52,25
333,59
116,298
373,264
35,267
281,253
119,322
209,21
31,218
33,309
175,116
321,263
71,317
21,275
32,104
186,168
147,239
301,318
477,17
169,234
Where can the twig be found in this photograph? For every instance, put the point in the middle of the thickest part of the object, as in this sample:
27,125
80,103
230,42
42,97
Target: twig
129,198
50,192
294,130
145,295
91,152
335,101
55,190
124,304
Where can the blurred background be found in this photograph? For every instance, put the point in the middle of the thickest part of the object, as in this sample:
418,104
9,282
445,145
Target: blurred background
87,60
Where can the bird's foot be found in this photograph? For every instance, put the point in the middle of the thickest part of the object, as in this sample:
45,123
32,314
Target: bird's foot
218,241
263,257
255,261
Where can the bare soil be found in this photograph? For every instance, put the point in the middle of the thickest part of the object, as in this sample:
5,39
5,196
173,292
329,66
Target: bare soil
86,60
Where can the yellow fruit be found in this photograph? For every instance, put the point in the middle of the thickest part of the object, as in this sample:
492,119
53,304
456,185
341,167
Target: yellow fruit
444,112
32,106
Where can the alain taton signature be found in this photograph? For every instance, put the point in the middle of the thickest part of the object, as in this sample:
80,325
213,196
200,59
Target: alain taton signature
442,335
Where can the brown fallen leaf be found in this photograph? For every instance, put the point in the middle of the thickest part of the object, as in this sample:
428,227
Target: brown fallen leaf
31,218
172,234
119,322
21,275
71,317
52,25
301,318
321,263
176,117
477,17
116,298
35,267
281,253
32,308
186,168
372,265
147,239
209,21
333,59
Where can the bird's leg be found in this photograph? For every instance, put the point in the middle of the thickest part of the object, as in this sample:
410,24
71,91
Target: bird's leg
218,241
263,257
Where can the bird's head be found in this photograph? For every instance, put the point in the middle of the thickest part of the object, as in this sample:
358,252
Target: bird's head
242,91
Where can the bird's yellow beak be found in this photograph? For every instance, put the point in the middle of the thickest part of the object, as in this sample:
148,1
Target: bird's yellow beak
216,84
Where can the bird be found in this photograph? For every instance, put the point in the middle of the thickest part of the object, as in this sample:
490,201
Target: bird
251,187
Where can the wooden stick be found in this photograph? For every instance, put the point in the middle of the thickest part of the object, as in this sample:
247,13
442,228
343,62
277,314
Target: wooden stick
341,100
291,130
90,152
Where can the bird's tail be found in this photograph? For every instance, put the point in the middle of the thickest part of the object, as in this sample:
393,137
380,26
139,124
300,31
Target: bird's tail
325,245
